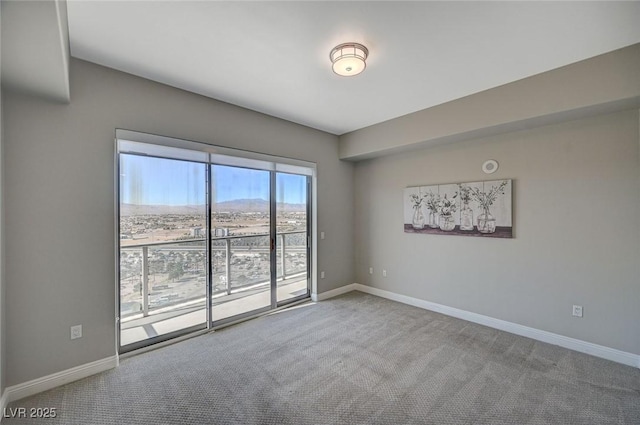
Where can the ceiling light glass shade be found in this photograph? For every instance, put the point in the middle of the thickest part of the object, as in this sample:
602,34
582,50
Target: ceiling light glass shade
349,59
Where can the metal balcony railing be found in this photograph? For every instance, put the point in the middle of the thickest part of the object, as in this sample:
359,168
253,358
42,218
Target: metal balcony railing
142,263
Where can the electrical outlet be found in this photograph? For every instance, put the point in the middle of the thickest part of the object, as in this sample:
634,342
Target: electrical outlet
321,275
370,270
321,235
76,331
384,273
577,310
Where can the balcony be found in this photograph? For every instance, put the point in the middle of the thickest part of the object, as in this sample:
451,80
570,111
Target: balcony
163,285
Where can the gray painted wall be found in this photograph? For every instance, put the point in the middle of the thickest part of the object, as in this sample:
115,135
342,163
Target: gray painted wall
602,84
59,181
576,225
36,47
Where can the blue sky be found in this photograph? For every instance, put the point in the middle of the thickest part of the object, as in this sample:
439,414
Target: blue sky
157,181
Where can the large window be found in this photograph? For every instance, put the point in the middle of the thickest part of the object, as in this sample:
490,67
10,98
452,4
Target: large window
207,235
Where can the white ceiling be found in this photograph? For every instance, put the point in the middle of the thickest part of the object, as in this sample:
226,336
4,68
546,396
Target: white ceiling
273,57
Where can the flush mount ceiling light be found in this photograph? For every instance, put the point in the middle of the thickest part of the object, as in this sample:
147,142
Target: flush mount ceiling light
349,59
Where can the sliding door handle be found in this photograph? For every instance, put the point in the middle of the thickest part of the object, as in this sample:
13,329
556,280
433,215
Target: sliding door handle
273,244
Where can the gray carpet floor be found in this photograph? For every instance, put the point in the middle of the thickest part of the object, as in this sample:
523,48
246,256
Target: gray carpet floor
354,359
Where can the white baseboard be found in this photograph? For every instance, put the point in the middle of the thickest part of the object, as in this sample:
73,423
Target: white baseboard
333,293
26,389
608,353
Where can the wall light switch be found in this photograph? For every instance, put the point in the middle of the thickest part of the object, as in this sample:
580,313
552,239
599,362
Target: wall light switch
321,235
321,275
577,310
384,273
76,331
370,270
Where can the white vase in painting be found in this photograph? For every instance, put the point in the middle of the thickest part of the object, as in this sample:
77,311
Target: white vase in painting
486,222
433,219
447,223
466,217
418,218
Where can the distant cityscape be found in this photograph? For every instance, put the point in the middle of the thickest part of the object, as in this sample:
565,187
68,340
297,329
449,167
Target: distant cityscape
177,272
153,223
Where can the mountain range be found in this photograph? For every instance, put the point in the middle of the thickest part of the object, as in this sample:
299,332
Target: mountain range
236,205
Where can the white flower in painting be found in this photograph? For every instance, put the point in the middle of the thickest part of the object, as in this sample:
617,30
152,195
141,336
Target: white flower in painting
487,199
433,199
417,199
447,206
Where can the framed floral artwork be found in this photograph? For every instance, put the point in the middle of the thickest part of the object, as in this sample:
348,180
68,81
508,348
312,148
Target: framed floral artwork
481,209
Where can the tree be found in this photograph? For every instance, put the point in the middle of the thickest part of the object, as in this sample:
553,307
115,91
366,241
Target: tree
176,270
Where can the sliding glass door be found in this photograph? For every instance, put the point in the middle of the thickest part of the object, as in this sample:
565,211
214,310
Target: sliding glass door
163,253
206,240
240,241
292,235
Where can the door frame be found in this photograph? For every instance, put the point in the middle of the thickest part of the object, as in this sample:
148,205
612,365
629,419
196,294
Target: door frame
279,164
